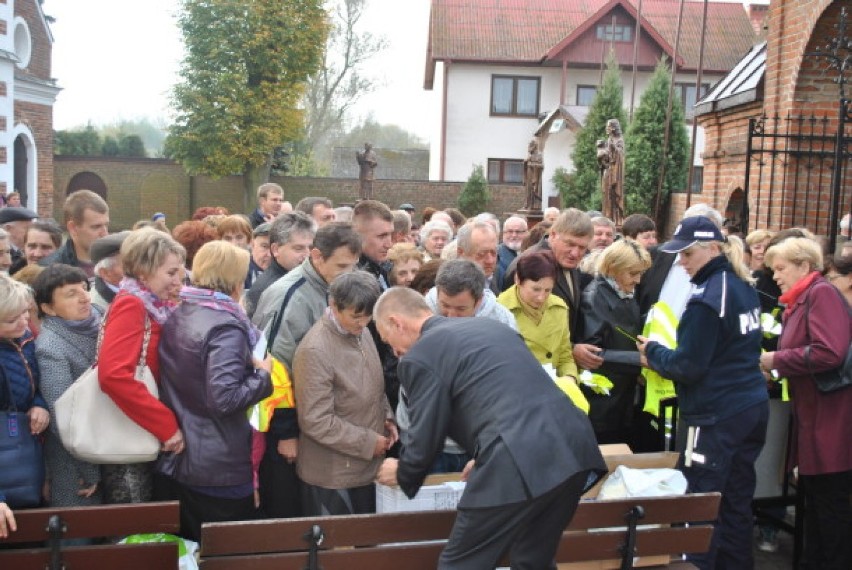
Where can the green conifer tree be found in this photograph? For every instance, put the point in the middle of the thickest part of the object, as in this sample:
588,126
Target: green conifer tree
475,195
644,146
582,189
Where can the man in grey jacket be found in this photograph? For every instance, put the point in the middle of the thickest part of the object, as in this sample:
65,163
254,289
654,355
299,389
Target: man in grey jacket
300,297
534,451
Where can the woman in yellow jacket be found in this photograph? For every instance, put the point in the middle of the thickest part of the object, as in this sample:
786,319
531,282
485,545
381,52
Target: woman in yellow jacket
542,319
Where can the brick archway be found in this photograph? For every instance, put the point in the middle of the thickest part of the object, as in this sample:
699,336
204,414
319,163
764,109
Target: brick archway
793,23
87,181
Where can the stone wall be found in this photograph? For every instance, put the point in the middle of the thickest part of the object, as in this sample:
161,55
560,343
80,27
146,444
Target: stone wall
138,187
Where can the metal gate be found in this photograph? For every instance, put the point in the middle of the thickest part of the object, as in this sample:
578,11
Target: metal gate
797,169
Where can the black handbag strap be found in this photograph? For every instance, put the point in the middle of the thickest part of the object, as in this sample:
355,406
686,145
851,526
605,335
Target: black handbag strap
276,322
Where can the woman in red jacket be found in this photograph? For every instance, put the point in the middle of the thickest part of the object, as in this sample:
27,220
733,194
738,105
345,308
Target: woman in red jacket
153,268
815,338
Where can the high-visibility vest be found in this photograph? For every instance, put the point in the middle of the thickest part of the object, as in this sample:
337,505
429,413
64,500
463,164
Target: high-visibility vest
660,326
597,383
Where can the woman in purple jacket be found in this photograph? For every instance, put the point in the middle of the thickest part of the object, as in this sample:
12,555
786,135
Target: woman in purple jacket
209,378
815,338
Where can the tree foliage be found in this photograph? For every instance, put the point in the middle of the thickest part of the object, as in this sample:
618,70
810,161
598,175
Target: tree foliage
582,189
644,141
341,80
381,136
475,195
89,141
242,78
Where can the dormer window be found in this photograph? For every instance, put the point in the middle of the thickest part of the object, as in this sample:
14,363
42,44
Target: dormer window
615,33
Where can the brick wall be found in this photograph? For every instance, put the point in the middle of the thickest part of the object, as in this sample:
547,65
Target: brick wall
40,60
39,120
788,90
136,188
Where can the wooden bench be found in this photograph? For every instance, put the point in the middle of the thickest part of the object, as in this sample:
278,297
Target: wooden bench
49,526
414,540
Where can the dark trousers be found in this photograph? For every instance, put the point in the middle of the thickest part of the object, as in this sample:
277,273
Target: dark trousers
197,508
320,501
280,487
828,521
729,449
529,531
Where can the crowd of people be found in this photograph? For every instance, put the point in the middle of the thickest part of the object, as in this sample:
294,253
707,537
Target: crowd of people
304,352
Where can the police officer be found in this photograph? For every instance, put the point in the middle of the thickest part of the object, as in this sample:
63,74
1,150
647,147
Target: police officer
721,391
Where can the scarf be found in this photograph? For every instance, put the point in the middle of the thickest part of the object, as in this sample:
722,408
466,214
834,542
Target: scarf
789,298
159,309
621,294
220,302
535,315
87,327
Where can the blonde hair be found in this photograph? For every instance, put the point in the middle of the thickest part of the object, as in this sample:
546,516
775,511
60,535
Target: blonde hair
797,251
734,250
404,252
16,297
146,249
758,236
623,255
220,266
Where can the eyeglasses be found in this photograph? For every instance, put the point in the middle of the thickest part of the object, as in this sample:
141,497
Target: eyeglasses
514,231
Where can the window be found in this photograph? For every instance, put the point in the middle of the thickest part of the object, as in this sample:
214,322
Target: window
687,95
586,94
615,33
514,96
506,171
697,179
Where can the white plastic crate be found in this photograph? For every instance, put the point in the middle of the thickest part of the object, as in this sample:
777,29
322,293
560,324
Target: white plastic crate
432,496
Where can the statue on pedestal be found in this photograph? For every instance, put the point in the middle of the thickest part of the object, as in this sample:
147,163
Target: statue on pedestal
368,161
533,168
610,153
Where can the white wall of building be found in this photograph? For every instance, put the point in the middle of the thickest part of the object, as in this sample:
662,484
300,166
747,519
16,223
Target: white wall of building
473,136
7,103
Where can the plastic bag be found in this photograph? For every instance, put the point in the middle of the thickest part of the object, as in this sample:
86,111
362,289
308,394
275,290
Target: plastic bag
627,482
187,549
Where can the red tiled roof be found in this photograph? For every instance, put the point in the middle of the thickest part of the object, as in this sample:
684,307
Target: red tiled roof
525,31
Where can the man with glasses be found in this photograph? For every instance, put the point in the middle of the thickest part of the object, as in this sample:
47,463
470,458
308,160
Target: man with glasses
514,232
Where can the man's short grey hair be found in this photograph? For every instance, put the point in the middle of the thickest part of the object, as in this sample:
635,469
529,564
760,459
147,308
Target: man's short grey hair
491,219
288,225
401,222
515,218
707,211
603,221
357,290
466,232
435,225
307,205
459,275
107,263
343,213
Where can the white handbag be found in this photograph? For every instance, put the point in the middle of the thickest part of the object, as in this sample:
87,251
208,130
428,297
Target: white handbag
93,429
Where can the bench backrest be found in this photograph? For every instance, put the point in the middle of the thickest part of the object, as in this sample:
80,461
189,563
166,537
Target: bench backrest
92,522
415,540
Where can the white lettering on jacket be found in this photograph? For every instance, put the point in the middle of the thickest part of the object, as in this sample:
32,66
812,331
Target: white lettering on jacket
750,321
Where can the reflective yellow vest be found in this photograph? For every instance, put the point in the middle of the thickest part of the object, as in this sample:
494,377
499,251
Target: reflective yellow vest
660,326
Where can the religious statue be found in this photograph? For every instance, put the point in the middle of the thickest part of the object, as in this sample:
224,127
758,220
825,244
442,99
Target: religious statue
533,167
368,161
611,161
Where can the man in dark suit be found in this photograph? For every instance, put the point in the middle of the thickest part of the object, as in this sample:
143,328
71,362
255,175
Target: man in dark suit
534,451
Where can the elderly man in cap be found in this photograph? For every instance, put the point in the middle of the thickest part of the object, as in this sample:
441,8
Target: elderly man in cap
105,254
16,221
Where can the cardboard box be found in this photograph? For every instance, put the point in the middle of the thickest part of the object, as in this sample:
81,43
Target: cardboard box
616,455
439,492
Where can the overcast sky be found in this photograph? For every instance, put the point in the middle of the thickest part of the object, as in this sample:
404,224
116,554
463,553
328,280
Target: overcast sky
118,60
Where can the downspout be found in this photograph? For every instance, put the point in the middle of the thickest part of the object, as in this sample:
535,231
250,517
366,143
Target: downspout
444,120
